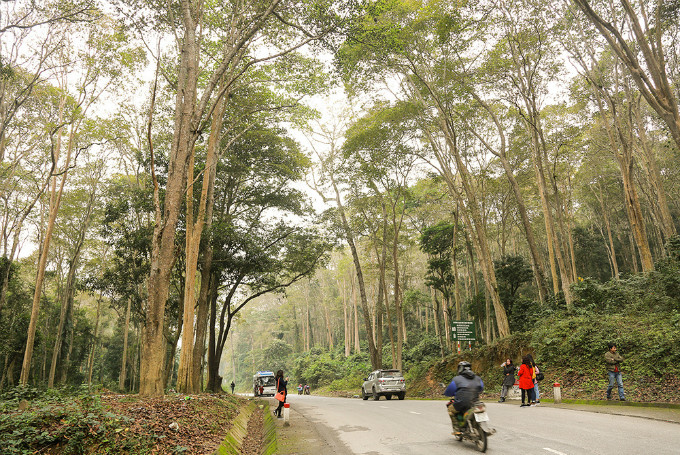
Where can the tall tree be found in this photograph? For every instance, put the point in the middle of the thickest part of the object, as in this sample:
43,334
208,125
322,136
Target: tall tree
194,106
642,42
96,78
395,41
329,160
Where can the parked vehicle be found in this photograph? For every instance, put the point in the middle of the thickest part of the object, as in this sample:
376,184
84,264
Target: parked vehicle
475,426
387,383
264,383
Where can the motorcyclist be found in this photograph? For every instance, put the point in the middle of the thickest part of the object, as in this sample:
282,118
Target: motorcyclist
465,389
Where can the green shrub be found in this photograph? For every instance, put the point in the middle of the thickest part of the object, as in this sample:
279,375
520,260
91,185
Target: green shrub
73,423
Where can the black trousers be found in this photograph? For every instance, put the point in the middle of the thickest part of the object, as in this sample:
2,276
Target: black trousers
278,410
530,393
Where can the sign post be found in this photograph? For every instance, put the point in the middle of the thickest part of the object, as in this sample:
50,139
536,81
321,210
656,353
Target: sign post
463,331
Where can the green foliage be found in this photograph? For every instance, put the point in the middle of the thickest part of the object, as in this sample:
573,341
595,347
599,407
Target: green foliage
318,368
577,344
591,253
71,422
511,273
275,356
437,241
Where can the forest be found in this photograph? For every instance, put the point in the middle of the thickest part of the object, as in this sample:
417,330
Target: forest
194,191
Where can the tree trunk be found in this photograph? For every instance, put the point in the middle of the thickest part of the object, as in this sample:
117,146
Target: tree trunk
659,201
188,379
185,131
67,298
401,329
622,150
360,278
126,329
346,318
437,329
474,220
536,261
356,326
637,222
651,78
213,372
55,201
607,224
95,342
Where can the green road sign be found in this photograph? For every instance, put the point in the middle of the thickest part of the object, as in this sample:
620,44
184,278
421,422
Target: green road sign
463,330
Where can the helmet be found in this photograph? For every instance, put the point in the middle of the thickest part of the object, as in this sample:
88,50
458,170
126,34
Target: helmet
462,366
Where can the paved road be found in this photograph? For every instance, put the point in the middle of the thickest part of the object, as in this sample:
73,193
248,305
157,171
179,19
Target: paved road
354,426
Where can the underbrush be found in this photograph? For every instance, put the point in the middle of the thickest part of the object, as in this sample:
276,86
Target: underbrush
78,423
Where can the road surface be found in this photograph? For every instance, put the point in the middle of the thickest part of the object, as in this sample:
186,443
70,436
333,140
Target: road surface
354,426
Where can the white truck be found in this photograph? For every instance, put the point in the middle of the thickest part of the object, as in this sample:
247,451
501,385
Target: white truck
264,384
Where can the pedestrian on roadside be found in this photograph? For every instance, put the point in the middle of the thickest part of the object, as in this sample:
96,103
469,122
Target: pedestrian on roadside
526,381
537,394
281,386
232,387
613,359
508,378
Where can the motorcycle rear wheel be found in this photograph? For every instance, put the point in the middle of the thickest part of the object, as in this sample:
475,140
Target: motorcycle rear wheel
479,437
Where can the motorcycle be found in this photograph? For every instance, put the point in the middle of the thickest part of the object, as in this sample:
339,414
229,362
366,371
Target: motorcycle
475,426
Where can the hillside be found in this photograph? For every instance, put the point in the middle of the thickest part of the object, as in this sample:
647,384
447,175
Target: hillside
570,352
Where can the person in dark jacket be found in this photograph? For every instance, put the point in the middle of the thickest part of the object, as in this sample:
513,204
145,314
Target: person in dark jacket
508,378
613,360
465,389
281,386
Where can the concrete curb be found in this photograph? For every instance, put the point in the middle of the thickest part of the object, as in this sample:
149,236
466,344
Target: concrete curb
636,404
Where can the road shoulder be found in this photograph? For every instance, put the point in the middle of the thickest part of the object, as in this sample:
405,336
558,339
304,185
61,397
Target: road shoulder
304,436
665,414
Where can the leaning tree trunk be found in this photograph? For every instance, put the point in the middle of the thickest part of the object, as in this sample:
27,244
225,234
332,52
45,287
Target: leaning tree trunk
55,201
536,261
360,278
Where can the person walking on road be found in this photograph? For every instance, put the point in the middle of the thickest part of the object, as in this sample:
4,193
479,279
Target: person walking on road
526,381
232,387
613,359
508,378
282,387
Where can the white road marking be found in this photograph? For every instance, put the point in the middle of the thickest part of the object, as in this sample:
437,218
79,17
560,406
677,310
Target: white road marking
554,451
414,412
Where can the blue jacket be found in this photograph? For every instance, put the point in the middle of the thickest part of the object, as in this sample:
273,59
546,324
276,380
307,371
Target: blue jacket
465,388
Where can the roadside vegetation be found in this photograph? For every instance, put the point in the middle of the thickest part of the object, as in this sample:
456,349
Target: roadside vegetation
79,422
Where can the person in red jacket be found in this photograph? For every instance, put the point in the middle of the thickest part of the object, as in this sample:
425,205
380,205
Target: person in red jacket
526,381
